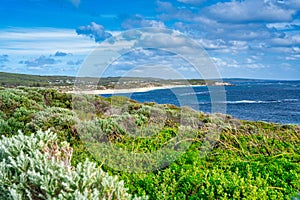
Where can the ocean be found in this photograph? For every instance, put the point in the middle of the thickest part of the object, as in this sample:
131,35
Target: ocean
255,100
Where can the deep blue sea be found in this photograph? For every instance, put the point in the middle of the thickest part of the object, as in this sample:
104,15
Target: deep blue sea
256,100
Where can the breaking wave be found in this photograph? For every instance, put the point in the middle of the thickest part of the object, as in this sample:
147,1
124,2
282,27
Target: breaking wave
254,101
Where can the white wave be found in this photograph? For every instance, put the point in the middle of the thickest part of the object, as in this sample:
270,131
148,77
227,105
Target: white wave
250,101
193,93
291,100
242,102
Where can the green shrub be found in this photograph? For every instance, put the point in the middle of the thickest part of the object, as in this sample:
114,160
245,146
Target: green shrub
59,120
11,99
38,167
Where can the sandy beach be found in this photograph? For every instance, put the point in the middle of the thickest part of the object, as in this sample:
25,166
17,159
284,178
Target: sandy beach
131,90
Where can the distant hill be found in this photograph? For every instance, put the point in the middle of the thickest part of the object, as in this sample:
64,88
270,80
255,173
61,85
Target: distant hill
13,80
64,82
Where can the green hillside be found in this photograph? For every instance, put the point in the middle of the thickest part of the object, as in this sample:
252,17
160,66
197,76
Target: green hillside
66,83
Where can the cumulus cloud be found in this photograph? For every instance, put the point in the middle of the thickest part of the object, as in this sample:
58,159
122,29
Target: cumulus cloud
60,54
138,21
215,35
71,62
41,61
163,6
151,63
240,30
284,26
210,32
293,57
95,31
212,44
164,38
233,63
293,4
192,2
250,11
169,12
293,40
3,58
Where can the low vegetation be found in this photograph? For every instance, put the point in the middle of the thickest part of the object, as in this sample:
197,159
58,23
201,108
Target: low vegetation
53,156
66,83
38,167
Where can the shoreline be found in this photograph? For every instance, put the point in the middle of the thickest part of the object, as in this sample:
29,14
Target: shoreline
130,90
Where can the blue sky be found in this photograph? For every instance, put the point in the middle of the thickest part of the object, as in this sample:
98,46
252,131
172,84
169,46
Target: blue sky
249,38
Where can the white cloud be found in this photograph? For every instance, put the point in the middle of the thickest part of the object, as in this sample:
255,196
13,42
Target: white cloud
41,61
151,63
37,41
212,44
137,21
169,12
289,40
77,62
238,45
250,11
95,31
207,28
192,2
225,63
60,54
231,27
293,4
165,7
165,40
285,26
247,63
293,57
29,44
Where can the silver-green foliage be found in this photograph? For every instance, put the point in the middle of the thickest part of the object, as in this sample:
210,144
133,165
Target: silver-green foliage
38,167
54,118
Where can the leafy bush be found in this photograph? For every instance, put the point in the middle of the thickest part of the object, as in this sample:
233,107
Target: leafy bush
38,167
11,99
54,117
